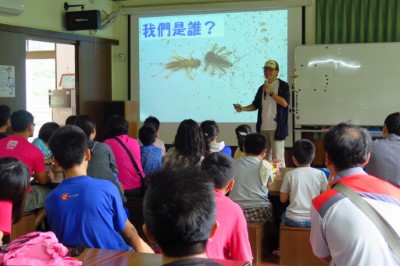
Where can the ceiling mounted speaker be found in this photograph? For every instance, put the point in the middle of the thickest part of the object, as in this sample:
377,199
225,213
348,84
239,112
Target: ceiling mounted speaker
83,20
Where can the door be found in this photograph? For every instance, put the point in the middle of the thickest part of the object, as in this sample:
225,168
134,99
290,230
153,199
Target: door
50,81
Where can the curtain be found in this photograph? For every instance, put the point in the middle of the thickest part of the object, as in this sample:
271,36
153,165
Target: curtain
357,21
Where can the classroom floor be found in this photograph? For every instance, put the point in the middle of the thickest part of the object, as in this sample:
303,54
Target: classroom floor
271,260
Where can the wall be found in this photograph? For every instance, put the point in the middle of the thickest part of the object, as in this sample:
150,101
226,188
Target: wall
310,23
49,15
10,55
120,69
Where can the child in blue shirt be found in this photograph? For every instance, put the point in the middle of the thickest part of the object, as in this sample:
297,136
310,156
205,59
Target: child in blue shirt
42,140
82,209
151,155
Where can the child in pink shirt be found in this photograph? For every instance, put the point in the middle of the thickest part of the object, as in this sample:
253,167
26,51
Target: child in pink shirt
14,176
6,218
129,175
231,240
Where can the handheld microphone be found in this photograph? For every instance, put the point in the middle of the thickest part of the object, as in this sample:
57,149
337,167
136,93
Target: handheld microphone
265,83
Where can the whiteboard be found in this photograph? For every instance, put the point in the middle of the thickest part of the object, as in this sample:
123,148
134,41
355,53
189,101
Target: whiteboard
357,83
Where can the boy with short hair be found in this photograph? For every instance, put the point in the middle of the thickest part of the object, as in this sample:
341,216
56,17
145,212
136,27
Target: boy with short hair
231,241
85,210
102,163
250,190
151,155
179,213
301,185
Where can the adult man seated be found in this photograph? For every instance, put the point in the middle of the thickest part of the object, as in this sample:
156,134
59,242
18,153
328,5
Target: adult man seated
384,162
179,213
85,210
16,145
340,231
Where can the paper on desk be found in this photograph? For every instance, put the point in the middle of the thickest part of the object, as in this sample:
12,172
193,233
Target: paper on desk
267,172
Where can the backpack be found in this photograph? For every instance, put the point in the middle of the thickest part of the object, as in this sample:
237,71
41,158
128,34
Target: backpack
36,248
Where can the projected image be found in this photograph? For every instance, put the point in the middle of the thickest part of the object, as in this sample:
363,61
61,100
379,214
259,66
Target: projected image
197,66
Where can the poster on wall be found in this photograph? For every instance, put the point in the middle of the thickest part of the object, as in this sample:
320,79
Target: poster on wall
7,81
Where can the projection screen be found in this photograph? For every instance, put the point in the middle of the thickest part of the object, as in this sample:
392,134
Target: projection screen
196,65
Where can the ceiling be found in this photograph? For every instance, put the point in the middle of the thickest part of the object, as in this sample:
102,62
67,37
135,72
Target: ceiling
146,3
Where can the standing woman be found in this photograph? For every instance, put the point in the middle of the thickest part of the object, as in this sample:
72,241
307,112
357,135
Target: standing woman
130,173
189,147
14,177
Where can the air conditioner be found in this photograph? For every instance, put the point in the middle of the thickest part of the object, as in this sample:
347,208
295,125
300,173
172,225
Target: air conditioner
11,7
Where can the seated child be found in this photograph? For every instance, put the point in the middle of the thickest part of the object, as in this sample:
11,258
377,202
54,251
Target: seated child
301,185
102,163
179,214
211,131
42,140
251,189
151,155
151,120
127,155
189,146
14,177
231,241
85,210
241,132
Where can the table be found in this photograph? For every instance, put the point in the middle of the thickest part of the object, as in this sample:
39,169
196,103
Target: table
278,206
104,257
58,175
275,187
95,256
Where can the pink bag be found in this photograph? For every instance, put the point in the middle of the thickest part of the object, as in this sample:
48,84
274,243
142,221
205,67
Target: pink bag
36,248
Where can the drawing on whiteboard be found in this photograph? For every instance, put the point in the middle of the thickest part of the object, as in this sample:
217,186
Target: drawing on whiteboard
336,83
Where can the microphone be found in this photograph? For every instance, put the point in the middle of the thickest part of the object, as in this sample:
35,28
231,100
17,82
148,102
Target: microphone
265,83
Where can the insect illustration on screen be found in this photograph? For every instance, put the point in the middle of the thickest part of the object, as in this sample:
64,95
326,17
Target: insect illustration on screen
180,63
217,60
